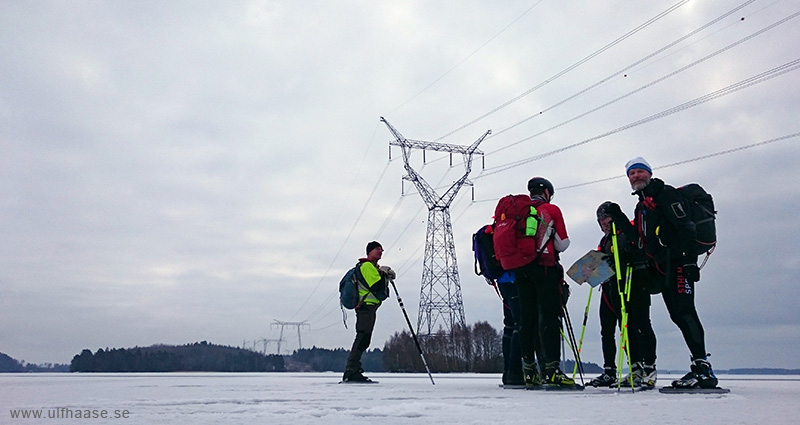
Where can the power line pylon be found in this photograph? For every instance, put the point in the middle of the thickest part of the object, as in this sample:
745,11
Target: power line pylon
266,343
284,324
440,292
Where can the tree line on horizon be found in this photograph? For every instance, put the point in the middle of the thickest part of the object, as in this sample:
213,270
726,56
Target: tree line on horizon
197,357
476,348
10,365
473,348
458,351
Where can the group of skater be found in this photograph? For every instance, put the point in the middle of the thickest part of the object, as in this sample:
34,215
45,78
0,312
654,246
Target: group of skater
655,247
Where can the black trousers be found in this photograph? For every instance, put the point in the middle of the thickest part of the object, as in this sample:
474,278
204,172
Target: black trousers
678,294
540,313
640,329
642,339
365,323
512,358
610,316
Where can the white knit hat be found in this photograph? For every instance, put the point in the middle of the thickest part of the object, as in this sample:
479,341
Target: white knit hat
638,162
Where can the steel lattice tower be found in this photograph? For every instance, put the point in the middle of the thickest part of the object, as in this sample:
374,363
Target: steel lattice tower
440,293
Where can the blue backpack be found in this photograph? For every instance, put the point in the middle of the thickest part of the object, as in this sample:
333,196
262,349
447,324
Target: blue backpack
348,288
350,284
486,263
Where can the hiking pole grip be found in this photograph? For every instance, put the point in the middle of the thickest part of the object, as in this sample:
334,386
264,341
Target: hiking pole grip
411,328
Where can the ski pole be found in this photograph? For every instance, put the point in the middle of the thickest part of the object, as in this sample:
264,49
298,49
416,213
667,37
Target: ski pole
410,328
624,343
572,343
625,318
583,329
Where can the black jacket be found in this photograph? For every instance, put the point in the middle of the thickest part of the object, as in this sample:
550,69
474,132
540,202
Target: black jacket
665,230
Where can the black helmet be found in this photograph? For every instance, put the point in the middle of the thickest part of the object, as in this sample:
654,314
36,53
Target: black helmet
602,210
541,182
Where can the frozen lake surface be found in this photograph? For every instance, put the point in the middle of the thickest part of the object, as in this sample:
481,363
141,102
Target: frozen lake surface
317,398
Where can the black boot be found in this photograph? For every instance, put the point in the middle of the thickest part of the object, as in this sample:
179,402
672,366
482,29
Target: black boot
554,377
530,375
701,376
355,376
608,378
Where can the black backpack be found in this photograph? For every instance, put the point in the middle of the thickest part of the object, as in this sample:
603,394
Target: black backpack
486,263
700,206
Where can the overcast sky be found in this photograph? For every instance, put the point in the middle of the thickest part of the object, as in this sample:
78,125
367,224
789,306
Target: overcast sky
181,171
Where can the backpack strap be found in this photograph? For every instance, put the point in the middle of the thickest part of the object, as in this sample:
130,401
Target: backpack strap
708,254
362,282
359,278
546,240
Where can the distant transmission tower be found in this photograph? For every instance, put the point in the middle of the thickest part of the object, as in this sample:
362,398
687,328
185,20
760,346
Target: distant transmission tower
440,293
283,325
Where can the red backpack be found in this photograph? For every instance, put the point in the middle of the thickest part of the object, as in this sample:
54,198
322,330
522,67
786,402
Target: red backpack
515,228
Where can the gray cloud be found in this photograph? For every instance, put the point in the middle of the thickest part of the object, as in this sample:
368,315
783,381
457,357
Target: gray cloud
176,172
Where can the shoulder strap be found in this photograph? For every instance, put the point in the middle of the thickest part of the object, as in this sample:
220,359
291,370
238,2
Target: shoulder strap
550,233
362,282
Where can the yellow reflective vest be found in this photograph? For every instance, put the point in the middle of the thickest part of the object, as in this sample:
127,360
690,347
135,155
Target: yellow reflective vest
375,281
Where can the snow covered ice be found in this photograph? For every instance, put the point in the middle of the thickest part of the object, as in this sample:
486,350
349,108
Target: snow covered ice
317,398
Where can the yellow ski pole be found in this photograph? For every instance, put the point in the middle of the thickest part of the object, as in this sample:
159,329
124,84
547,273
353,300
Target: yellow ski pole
628,273
623,337
583,329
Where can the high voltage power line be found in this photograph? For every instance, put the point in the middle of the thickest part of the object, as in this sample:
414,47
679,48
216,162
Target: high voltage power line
631,66
775,72
347,238
788,67
569,68
646,86
621,71
467,58
730,89
404,266
675,164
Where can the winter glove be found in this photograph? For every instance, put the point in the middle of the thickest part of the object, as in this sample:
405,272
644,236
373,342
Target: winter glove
388,272
691,272
564,293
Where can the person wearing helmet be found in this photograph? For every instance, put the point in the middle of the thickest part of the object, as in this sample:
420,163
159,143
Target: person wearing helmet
662,227
642,339
539,285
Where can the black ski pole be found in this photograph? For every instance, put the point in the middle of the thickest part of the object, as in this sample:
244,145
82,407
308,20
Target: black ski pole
571,334
410,328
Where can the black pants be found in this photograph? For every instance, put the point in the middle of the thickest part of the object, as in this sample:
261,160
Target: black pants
365,323
540,313
609,320
512,360
642,339
640,329
678,294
